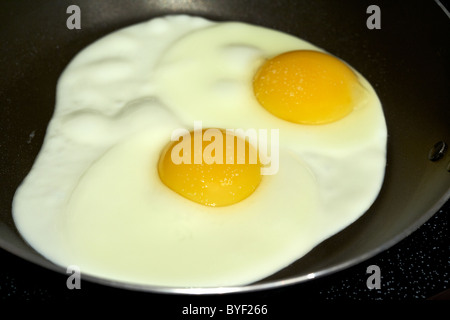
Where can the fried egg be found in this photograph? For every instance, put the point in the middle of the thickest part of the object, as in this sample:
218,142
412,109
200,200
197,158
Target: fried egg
105,193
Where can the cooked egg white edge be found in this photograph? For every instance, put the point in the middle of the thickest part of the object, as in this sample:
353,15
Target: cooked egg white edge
99,82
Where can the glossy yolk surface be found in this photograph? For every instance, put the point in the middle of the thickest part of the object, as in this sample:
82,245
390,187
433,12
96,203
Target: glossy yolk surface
220,171
306,87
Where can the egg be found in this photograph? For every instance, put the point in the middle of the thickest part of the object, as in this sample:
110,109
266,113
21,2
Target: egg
139,178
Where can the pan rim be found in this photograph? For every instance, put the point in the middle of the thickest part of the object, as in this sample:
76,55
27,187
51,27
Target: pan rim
250,287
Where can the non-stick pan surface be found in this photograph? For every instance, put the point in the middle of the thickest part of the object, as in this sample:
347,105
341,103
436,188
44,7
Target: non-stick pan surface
407,61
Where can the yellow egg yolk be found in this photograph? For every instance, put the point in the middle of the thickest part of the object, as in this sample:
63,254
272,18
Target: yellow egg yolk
220,171
306,87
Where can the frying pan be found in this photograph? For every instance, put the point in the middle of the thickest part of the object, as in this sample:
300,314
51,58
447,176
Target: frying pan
407,61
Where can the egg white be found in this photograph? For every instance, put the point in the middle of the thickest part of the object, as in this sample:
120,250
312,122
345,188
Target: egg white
224,59
95,104
123,223
347,157
94,198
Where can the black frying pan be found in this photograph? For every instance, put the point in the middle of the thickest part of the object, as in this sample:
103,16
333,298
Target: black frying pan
407,61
